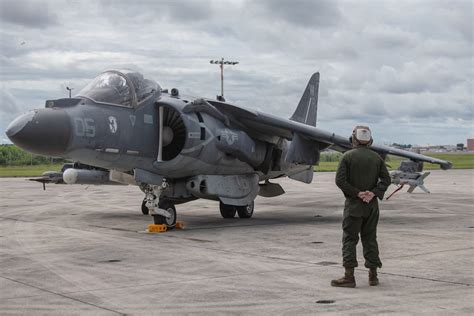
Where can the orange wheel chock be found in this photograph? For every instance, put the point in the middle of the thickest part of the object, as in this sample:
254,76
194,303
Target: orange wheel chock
153,228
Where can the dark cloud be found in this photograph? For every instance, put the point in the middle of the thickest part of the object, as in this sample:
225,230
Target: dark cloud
28,13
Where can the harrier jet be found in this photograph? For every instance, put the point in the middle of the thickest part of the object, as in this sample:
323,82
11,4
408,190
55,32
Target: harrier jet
124,128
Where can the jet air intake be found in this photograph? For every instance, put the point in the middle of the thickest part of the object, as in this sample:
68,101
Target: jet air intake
172,133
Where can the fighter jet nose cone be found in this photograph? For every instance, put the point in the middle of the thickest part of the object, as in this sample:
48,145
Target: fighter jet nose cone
44,131
18,124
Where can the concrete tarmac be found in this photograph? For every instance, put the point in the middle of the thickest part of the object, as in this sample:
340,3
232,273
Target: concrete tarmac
74,250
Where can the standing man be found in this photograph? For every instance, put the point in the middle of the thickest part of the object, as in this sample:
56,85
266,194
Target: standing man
363,177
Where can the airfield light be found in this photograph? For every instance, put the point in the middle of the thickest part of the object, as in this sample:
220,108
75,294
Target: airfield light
69,89
221,64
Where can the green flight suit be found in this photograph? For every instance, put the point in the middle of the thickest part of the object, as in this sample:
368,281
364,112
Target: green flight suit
361,169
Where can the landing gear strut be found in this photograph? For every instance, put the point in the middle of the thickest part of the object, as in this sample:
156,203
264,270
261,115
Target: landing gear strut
228,211
162,210
145,209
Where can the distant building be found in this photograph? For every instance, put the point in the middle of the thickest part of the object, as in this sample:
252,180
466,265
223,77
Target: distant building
470,144
434,148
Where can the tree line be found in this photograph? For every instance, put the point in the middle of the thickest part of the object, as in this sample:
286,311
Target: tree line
11,155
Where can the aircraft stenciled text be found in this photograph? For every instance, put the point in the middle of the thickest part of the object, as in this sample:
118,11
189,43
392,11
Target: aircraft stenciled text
84,127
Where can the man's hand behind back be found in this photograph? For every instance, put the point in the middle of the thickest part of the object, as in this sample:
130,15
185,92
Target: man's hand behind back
366,196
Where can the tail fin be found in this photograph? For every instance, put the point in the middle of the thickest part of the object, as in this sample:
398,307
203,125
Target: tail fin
307,109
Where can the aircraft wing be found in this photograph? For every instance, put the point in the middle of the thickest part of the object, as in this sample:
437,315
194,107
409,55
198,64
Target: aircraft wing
267,125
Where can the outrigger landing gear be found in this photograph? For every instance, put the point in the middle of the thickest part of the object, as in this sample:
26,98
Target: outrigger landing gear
228,211
162,210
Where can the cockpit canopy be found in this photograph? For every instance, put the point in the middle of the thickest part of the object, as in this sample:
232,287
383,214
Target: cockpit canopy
125,87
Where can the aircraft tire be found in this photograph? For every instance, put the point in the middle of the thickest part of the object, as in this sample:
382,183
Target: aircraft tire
169,222
245,211
227,211
145,209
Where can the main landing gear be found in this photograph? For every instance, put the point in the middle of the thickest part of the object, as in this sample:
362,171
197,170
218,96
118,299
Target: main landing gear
228,211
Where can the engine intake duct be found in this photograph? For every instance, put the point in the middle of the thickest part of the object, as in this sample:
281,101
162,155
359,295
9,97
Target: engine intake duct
241,146
174,133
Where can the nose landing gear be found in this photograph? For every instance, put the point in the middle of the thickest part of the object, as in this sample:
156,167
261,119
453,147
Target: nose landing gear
162,210
165,214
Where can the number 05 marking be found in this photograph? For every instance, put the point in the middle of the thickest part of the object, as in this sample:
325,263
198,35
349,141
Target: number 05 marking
84,127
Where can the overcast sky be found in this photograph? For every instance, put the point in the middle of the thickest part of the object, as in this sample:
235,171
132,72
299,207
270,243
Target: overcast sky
403,67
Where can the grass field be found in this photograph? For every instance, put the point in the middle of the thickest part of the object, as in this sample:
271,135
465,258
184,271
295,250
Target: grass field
459,161
28,171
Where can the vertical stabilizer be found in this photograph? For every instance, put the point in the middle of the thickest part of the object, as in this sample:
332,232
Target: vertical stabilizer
307,109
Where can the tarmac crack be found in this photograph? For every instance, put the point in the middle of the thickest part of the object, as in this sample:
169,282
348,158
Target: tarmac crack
429,253
62,295
317,263
149,284
426,279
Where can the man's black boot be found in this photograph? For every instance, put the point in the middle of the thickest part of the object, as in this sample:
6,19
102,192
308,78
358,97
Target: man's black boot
347,280
373,280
